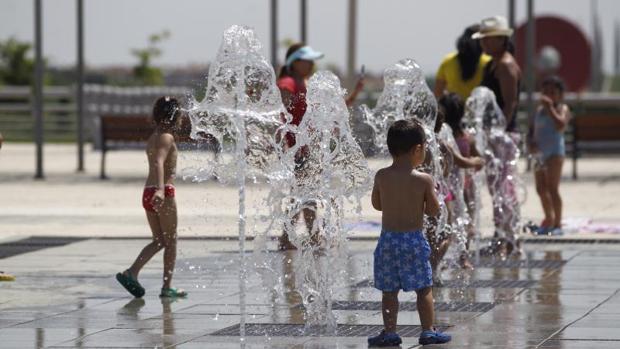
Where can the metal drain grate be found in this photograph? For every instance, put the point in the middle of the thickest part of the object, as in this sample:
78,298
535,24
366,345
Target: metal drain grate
521,263
411,306
471,284
34,243
488,284
297,330
551,240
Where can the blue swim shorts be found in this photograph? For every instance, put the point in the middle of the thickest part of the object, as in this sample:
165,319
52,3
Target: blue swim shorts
402,262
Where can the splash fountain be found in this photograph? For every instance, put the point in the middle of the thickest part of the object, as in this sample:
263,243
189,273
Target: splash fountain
406,95
487,123
241,109
329,170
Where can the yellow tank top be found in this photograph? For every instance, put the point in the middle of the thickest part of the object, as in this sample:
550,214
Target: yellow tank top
450,72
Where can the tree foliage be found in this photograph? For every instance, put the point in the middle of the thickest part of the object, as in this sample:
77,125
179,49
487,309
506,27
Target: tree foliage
16,66
144,72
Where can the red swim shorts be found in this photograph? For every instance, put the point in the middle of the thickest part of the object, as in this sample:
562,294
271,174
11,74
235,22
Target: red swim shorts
149,192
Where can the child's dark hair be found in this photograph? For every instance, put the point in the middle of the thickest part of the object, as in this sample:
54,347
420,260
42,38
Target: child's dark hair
555,81
403,135
469,52
453,108
166,110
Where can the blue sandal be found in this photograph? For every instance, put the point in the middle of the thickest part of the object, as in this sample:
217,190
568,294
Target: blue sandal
130,284
384,339
434,337
172,293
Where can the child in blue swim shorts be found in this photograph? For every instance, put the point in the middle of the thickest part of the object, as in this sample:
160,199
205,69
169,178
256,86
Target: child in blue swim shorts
401,259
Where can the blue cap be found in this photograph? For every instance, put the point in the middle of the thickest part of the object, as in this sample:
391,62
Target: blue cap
306,53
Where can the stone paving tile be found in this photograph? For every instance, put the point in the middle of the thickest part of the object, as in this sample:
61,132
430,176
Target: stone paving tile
130,338
98,313
577,344
20,338
248,342
604,332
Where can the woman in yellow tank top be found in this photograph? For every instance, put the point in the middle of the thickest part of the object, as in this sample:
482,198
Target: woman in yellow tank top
460,72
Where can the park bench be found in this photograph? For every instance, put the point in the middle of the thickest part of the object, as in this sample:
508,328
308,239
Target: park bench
594,133
131,131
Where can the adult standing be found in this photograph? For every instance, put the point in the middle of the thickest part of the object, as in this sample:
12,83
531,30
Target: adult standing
502,74
462,71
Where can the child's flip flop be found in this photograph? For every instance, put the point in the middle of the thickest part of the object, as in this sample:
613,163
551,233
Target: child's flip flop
6,277
172,293
130,284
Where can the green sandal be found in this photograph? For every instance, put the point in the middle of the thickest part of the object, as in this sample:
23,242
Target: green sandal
172,293
130,284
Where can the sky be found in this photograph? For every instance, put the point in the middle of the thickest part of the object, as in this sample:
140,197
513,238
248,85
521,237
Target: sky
388,30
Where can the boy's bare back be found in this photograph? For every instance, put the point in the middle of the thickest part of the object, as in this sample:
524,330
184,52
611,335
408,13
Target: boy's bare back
161,147
403,195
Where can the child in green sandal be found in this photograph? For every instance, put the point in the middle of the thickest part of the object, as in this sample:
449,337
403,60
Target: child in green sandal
158,199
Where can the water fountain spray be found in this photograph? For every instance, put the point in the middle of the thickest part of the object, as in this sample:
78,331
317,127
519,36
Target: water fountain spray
487,123
242,110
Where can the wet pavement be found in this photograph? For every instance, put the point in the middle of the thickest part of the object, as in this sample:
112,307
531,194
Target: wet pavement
65,296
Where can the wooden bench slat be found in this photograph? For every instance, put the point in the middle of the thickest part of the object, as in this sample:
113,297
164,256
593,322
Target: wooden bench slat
126,129
598,127
595,133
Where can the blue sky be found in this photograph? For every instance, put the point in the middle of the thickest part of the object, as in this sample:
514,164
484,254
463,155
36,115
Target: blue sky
388,29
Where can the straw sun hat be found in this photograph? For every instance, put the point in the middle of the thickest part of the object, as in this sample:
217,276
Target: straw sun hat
493,26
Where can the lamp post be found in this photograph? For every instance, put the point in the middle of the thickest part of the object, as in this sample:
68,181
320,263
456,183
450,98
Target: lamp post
80,84
37,103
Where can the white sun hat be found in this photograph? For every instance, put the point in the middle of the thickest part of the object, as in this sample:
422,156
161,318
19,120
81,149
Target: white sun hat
493,26
306,53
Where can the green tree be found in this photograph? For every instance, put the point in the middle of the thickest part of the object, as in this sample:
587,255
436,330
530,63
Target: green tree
16,67
144,72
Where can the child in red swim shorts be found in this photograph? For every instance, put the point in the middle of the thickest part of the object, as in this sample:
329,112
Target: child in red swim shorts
158,200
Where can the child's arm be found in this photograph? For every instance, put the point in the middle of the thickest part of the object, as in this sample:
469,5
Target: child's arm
164,144
463,162
473,149
431,206
376,196
558,115
359,86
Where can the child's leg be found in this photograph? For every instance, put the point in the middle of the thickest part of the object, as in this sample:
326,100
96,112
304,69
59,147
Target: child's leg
152,248
284,240
310,217
446,238
389,305
426,309
432,235
438,251
542,188
469,195
168,222
554,174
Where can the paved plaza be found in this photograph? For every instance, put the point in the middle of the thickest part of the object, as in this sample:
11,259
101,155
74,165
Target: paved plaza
559,296
66,237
